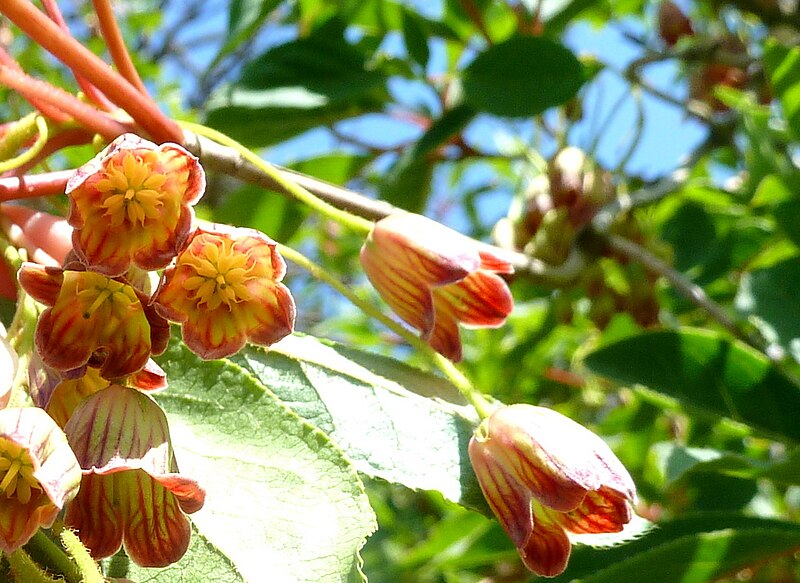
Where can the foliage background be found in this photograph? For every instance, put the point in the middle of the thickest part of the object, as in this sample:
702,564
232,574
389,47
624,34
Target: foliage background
452,108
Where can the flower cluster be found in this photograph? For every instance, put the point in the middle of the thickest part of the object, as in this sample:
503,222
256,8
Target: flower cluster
98,444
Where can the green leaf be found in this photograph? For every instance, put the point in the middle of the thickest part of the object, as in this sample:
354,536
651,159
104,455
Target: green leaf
296,86
202,563
693,549
245,17
283,503
704,370
394,421
522,76
415,37
783,67
408,181
770,295
273,214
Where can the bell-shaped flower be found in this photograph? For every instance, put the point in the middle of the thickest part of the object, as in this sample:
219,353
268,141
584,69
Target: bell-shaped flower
435,278
544,476
38,474
131,492
225,289
93,320
132,204
60,394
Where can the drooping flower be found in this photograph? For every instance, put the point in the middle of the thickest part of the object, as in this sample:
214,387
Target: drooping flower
38,474
131,492
435,278
60,394
132,204
544,476
225,289
92,320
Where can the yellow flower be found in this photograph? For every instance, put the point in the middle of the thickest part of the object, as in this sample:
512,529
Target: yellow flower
545,475
225,289
38,474
435,278
132,204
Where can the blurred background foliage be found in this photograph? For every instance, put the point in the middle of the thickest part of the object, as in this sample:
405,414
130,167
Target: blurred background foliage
644,155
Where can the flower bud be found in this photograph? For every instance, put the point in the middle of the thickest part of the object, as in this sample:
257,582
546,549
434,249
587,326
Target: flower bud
544,476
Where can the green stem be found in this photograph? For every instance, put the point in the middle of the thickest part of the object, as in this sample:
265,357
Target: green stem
24,569
89,569
48,553
29,154
453,374
354,222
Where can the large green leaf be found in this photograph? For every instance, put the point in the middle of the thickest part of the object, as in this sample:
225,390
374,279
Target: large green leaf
783,66
244,19
706,371
202,563
770,295
296,86
394,421
522,76
694,549
283,502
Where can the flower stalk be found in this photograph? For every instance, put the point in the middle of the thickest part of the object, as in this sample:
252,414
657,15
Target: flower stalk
474,397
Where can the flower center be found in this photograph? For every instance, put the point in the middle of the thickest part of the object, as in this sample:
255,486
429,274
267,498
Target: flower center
16,469
133,191
95,290
221,275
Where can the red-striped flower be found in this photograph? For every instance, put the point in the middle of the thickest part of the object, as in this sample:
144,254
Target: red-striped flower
38,474
93,320
132,204
435,278
131,492
225,289
544,476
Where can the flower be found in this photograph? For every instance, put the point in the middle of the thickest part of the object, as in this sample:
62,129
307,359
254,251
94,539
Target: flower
93,320
435,278
59,395
131,492
132,204
225,289
38,474
545,475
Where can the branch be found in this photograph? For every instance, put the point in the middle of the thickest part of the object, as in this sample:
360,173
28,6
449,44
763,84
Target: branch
227,161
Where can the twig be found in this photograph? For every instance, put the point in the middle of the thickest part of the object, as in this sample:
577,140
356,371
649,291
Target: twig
685,287
228,161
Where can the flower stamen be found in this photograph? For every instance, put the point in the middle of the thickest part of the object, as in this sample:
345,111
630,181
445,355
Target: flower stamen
17,469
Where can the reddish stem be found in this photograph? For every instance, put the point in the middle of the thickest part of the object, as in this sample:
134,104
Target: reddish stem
35,90
33,185
116,45
64,139
92,92
82,61
48,111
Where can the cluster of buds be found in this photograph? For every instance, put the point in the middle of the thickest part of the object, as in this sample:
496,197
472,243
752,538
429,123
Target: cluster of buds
557,204
138,262
545,222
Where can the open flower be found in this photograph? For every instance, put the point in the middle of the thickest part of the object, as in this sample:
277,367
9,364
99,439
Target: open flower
545,475
131,492
93,320
225,289
435,278
38,474
132,204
